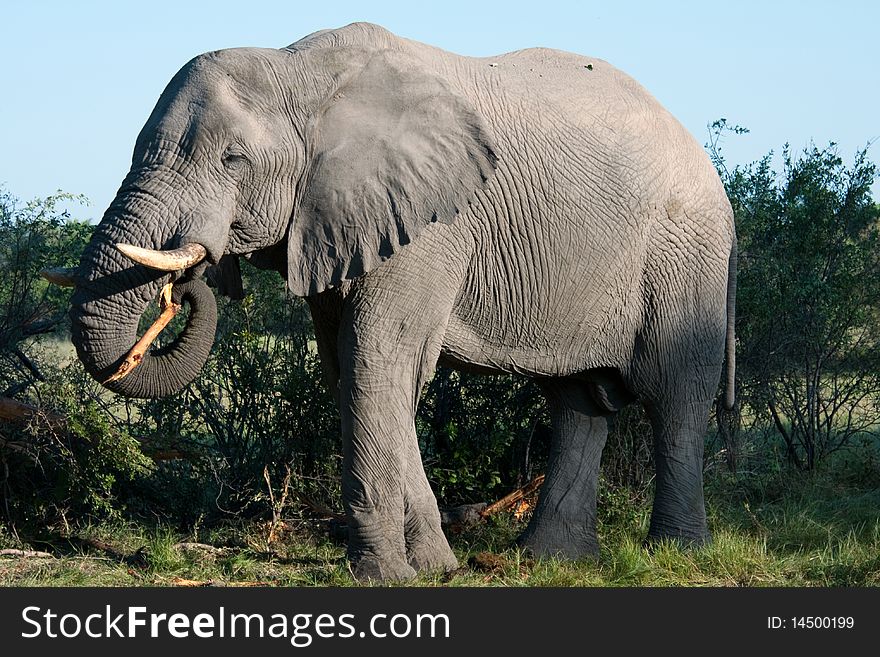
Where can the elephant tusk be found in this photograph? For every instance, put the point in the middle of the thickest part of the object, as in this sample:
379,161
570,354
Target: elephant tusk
136,355
61,276
182,258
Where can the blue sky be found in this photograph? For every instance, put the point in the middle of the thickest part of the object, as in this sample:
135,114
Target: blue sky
79,79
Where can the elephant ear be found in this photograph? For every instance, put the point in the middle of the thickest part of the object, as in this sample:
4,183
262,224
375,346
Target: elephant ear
395,150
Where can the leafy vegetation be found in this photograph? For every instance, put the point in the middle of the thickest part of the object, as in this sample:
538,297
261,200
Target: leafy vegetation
30,236
808,295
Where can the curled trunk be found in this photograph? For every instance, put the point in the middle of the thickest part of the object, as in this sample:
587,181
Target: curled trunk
109,300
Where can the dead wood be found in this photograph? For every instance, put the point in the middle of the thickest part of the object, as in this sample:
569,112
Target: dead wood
509,500
136,355
26,554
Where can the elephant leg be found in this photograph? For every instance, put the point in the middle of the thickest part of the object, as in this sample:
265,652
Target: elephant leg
394,523
678,393
386,356
375,432
675,373
564,522
427,549
679,422
426,546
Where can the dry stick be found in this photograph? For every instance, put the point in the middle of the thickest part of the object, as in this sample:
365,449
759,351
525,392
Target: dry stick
512,498
198,546
196,583
26,553
136,355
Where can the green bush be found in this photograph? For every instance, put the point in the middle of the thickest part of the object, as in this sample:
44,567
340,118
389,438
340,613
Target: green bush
481,436
259,401
69,459
808,297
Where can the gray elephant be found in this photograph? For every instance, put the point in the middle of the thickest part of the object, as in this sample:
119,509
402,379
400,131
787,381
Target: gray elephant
536,213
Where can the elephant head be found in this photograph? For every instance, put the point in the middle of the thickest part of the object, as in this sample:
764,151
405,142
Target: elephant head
320,160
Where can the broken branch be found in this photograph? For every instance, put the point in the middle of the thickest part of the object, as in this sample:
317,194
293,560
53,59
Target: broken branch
26,553
136,355
510,499
16,411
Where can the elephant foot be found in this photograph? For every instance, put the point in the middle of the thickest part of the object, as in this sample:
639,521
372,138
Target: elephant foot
432,556
686,530
684,540
560,542
372,569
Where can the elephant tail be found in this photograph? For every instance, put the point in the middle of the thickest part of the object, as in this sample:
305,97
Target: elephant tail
730,339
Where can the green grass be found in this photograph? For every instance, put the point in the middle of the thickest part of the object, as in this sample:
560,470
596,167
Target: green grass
778,529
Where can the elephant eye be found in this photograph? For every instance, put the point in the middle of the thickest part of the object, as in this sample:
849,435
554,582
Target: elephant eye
233,158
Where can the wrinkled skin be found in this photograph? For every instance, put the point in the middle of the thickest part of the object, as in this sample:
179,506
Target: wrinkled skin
523,213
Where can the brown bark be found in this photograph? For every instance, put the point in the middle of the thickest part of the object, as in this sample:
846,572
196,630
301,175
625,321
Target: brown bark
26,553
136,355
16,411
510,499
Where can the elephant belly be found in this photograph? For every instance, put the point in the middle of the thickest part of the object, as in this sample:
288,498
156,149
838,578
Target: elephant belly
463,349
545,298
561,334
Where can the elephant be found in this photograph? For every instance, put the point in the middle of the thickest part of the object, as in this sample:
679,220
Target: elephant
536,213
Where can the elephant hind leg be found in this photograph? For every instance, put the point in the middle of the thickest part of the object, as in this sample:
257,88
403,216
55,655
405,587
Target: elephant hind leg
564,522
677,391
679,422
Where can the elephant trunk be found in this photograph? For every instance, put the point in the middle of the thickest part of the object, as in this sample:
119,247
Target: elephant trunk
113,292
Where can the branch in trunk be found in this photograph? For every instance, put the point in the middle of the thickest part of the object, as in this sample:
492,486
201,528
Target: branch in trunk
136,355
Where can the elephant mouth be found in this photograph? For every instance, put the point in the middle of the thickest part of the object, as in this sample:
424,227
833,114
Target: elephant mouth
168,260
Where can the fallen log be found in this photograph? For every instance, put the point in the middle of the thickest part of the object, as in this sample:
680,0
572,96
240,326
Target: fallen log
461,517
16,411
509,500
455,519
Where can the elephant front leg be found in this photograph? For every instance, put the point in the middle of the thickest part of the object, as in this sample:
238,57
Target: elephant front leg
427,549
388,348
373,482
394,523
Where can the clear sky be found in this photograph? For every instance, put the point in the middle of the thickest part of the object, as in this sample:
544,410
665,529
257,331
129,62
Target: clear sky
79,78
